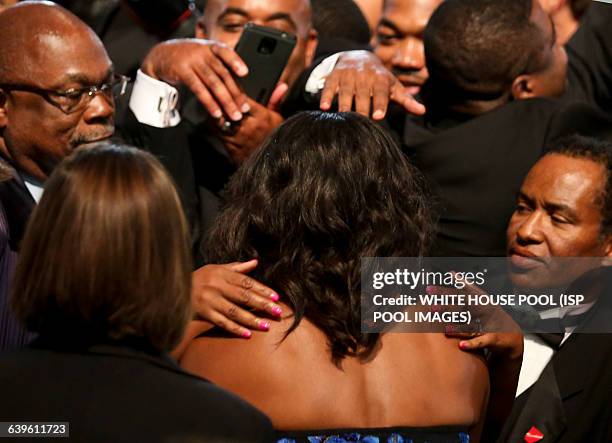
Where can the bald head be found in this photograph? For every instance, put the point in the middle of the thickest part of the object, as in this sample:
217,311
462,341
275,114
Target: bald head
33,33
46,51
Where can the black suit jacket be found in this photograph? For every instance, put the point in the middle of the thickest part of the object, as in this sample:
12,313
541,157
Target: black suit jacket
122,392
570,402
590,58
16,204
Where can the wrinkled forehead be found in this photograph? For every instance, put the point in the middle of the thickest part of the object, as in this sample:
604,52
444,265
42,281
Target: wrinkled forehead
51,55
574,181
298,10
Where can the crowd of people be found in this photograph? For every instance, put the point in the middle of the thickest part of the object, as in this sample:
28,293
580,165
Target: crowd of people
182,263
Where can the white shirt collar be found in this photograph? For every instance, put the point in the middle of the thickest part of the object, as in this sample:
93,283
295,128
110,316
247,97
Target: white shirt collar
35,189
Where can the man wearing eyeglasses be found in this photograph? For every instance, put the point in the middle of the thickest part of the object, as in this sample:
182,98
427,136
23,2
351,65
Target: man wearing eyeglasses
56,94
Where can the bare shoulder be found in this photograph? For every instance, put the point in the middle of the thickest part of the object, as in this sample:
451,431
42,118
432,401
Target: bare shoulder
237,364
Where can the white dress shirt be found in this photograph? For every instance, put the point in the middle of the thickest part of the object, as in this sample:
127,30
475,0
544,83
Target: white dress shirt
536,353
154,102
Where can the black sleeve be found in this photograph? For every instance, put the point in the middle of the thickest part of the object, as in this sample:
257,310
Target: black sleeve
590,58
171,147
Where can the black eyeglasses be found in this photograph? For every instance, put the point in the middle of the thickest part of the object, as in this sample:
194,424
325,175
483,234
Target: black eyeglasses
75,99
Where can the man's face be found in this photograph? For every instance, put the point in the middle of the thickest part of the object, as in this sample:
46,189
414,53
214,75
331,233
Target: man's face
399,39
37,134
224,20
557,214
552,80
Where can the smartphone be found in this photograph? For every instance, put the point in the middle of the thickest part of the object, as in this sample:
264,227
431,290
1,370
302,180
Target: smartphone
266,52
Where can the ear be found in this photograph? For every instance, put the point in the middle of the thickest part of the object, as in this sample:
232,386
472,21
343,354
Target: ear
200,30
522,87
311,46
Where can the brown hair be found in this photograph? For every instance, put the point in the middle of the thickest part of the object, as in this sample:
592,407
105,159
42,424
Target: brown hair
105,254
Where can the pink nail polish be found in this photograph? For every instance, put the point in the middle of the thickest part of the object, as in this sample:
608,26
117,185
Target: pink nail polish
274,296
264,325
246,334
463,345
277,311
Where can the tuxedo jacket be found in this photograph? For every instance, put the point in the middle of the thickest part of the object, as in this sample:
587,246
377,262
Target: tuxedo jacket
570,402
16,204
122,392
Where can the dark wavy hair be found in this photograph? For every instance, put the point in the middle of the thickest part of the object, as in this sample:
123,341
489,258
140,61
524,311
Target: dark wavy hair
324,191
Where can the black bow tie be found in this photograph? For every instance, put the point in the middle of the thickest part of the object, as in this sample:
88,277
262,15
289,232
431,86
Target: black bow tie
558,325
552,339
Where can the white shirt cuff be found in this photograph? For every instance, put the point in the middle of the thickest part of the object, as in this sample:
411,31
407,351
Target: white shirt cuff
316,81
153,102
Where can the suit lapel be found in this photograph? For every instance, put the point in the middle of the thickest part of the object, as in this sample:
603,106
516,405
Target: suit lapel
542,410
18,205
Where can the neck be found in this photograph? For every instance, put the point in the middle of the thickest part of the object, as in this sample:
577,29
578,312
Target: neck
479,107
441,99
565,24
472,108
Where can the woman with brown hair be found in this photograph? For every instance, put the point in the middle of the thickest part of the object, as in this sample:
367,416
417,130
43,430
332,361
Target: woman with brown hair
323,192
104,278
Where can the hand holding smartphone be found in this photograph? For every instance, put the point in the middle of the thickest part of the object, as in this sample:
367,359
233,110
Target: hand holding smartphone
266,52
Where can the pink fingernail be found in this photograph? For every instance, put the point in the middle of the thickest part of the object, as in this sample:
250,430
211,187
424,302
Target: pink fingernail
463,345
264,325
274,296
246,334
277,311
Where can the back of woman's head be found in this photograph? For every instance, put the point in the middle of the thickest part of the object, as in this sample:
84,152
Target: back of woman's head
105,253
324,191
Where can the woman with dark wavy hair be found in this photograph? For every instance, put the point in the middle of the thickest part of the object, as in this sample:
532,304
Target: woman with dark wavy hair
323,192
